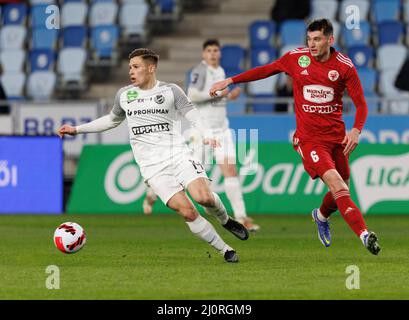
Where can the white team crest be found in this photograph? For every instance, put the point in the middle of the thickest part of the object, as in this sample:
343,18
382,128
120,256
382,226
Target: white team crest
333,75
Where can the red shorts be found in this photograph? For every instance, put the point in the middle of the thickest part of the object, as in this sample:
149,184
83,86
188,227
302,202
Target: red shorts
319,157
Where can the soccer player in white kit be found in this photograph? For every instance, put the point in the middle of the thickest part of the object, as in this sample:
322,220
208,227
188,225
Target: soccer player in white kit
214,113
165,161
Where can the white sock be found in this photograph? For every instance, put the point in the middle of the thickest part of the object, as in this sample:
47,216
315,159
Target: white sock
204,230
232,187
321,217
218,211
362,236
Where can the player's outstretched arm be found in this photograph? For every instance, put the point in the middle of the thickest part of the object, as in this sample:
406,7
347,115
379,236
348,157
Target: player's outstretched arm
219,87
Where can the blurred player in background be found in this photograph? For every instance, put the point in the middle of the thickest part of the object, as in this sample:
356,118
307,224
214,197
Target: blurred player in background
320,76
166,163
214,113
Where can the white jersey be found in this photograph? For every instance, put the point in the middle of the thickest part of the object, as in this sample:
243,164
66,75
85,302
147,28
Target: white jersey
203,76
154,132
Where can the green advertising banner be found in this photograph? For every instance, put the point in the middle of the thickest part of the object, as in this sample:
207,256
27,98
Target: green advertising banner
272,175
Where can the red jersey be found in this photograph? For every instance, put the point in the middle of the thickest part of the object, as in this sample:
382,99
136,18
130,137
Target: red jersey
318,88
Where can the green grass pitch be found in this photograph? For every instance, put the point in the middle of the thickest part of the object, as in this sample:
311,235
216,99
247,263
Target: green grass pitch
156,257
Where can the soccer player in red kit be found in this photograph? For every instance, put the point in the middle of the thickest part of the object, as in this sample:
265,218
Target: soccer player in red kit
320,76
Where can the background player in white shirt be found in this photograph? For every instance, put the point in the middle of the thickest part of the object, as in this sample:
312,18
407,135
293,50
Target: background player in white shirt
165,161
214,113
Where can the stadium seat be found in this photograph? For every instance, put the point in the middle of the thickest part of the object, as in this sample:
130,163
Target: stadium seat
12,37
261,56
292,32
354,37
13,84
14,14
232,71
42,60
39,16
41,84
361,56
104,41
75,36
74,14
363,6
262,33
387,82
263,107
70,64
37,2
43,38
103,13
166,6
385,10
368,79
337,31
390,32
324,8
12,61
133,20
232,56
391,56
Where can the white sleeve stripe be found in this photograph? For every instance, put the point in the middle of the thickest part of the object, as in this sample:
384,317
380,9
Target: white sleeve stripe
345,62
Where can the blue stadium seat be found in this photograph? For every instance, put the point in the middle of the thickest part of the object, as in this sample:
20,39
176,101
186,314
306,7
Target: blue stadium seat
262,33
39,16
353,37
386,10
369,79
361,56
292,32
406,11
75,36
363,6
261,56
166,6
14,14
44,38
12,61
42,60
104,40
232,57
37,2
232,71
74,14
41,84
390,32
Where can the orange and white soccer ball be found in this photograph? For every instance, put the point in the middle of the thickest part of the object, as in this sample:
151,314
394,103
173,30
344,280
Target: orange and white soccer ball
69,237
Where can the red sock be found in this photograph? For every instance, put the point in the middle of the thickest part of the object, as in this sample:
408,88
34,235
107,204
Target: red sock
328,205
349,211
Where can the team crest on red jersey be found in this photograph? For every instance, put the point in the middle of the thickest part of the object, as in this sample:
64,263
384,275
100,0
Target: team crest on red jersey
333,75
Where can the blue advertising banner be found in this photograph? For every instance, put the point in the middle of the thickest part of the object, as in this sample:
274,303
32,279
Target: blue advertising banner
31,175
274,128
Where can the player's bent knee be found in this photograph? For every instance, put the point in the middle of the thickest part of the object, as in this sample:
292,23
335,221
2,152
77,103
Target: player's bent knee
205,199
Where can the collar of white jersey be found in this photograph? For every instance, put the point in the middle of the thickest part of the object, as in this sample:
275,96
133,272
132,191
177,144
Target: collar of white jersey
154,87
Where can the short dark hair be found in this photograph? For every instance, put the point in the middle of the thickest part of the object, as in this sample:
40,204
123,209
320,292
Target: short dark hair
211,42
323,25
145,54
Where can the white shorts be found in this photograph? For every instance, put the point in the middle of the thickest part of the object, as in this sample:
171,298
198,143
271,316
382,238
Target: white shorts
206,154
176,176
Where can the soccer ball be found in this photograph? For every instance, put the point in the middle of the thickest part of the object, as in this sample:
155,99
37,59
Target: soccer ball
69,237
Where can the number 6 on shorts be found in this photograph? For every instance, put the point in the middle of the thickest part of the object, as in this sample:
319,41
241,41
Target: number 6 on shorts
314,156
